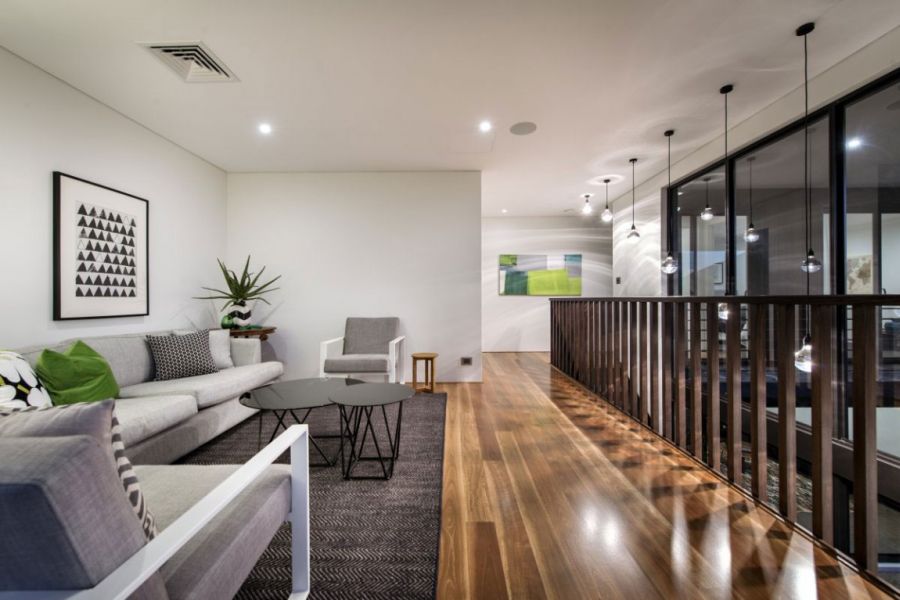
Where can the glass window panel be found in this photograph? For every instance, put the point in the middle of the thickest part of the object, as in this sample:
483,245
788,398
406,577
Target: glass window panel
700,206
769,184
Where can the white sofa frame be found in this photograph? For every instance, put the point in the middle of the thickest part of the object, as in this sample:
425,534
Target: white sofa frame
394,373
129,576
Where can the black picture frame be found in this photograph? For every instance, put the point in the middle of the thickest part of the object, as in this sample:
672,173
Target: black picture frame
82,304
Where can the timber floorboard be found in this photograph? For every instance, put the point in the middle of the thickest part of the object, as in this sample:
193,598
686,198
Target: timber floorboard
549,492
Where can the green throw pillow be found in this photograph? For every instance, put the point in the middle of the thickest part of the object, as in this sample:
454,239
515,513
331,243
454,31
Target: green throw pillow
79,374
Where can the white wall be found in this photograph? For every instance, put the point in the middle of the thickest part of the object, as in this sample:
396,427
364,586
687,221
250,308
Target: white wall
522,323
365,244
47,125
639,263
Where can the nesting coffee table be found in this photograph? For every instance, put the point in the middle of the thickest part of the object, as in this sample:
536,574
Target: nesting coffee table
284,398
360,405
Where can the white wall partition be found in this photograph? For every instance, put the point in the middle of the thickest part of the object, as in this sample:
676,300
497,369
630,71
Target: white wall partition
49,126
522,323
365,244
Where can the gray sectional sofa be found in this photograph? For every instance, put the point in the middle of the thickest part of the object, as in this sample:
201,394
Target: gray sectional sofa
164,420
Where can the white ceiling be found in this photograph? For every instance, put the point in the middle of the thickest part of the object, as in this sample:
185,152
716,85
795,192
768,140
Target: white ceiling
402,85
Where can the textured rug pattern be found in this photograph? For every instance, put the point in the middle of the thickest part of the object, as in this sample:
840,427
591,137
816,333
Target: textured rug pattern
369,539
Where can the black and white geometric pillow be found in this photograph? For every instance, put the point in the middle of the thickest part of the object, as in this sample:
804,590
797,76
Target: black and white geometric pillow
178,356
130,482
19,385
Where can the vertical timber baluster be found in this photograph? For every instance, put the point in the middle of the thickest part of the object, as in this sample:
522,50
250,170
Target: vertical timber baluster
667,370
822,422
680,386
713,406
757,358
865,459
632,359
733,391
620,380
655,408
644,359
610,356
696,384
786,342
595,343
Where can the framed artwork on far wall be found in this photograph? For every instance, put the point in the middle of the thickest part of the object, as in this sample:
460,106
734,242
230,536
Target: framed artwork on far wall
540,275
100,251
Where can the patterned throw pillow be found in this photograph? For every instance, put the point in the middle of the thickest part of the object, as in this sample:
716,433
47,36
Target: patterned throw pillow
19,386
178,356
96,419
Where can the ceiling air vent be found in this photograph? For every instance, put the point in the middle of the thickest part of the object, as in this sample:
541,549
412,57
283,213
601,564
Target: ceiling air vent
193,61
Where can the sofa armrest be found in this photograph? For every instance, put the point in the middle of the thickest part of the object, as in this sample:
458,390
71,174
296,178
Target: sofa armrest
122,582
395,359
245,351
327,349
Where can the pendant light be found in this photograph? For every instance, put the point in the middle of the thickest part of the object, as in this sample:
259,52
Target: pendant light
751,235
707,213
606,216
810,264
633,234
587,208
803,357
669,265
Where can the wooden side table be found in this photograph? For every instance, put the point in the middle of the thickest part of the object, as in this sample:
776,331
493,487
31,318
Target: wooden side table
428,359
261,332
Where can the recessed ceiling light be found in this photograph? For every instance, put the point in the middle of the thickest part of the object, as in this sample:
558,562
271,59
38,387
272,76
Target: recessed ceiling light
504,211
265,128
523,128
485,126
854,143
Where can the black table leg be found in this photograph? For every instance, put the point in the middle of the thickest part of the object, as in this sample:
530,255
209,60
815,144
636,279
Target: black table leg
352,420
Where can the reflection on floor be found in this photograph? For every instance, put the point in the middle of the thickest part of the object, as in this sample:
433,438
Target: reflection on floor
550,494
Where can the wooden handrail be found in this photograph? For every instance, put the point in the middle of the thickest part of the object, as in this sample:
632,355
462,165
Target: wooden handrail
660,360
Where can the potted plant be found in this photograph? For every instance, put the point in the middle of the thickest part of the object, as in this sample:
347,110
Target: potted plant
243,292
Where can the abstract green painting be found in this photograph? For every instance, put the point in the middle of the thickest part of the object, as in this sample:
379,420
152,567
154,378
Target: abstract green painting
540,275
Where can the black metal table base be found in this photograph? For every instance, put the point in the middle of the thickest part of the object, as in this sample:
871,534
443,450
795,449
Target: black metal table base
281,425
358,427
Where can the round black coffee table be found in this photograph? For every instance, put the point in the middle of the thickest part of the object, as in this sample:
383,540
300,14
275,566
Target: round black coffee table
285,397
357,404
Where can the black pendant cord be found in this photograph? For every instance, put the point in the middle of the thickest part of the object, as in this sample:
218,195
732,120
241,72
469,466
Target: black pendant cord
750,182
606,183
633,161
806,190
706,181
670,229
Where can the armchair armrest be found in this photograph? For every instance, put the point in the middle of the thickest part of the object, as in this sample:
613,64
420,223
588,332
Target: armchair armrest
327,350
395,359
246,351
129,576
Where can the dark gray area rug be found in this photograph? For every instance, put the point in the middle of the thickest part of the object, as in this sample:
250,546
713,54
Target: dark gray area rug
369,539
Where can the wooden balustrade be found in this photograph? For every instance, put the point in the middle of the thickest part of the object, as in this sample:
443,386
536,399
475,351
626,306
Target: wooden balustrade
659,359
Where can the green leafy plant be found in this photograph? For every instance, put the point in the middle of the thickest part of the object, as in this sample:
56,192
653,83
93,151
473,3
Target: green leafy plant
241,289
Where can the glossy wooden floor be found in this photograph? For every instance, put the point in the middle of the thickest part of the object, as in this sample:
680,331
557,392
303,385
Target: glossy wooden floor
549,493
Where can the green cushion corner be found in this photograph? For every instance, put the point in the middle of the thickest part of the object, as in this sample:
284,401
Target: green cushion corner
79,374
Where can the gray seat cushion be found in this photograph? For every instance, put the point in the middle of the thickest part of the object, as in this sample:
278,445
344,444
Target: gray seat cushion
357,363
216,561
141,418
369,335
210,389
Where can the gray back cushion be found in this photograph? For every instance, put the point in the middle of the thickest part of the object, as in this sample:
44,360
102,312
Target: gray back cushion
128,356
66,522
369,335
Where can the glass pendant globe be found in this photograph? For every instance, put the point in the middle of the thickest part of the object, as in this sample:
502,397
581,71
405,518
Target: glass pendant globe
707,214
722,309
669,265
811,264
586,209
803,356
606,216
751,235
633,234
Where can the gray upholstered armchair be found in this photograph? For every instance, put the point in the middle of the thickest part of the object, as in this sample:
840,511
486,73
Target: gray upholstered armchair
369,346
